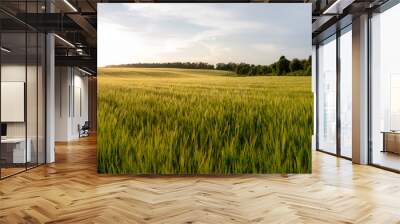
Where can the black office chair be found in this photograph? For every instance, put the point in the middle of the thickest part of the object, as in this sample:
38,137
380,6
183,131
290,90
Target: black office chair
84,130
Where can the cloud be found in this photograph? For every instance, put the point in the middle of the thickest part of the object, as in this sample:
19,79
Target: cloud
253,33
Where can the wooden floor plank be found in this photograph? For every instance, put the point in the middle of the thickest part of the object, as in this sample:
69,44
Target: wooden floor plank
70,191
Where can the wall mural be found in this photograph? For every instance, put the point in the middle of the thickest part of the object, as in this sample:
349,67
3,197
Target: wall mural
190,89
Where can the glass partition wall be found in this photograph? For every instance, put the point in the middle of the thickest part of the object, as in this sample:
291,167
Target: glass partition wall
13,89
385,89
327,95
345,62
334,93
22,77
334,90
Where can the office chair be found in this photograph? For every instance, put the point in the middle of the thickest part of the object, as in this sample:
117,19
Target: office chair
84,130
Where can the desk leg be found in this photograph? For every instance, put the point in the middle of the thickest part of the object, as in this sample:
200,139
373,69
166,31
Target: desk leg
384,142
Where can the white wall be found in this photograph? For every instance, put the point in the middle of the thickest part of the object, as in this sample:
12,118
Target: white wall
80,115
9,73
71,87
62,82
12,73
13,101
33,126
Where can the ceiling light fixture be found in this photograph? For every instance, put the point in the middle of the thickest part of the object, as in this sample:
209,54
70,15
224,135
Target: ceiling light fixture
79,51
330,8
86,72
337,7
64,40
5,50
70,5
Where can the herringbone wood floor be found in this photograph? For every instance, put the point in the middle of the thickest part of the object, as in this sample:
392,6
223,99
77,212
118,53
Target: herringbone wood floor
70,191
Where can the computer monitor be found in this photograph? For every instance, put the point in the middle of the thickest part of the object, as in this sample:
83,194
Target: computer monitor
3,129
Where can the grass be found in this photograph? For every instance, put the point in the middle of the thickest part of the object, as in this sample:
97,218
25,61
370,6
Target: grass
181,121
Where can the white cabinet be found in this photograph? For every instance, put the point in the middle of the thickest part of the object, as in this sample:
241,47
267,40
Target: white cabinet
12,101
19,155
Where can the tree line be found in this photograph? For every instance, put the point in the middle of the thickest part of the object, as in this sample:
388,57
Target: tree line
281,67
187,65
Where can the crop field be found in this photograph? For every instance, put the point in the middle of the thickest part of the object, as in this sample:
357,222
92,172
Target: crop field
182,121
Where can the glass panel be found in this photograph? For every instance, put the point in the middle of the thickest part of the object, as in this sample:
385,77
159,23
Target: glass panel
41,98
385,92
327,96
31,88
13,88
31,97
346,92
22,89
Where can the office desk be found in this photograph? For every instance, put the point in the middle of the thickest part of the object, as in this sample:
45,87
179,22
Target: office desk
13,150
391,141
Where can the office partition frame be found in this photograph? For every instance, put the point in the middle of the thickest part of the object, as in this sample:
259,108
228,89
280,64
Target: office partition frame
43,54
338,33
382,8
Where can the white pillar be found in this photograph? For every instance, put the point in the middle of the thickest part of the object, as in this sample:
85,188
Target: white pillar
63,99
50,99
360,89
314,91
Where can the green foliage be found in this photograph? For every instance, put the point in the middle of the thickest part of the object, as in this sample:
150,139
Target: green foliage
178,121
273,68
186,65
243,69
296,65
282,66
307,66
308,70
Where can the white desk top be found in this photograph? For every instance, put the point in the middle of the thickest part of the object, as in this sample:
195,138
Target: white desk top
13,140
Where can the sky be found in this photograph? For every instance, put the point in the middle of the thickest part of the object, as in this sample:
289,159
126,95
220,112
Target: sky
255,33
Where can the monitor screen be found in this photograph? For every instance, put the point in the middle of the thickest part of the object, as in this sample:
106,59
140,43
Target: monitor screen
3,129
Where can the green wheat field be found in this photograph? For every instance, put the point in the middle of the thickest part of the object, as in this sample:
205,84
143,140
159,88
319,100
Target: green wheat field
183,121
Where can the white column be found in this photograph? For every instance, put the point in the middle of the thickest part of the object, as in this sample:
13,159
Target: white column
62,103
314,90
50,99
50,92
360,90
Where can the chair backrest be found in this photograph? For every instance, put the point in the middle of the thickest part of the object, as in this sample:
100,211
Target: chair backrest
86,125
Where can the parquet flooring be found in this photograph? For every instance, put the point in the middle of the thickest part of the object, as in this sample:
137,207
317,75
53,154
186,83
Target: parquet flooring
11,170
70,191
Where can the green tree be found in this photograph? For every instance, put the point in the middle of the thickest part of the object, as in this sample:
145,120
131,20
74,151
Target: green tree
307,66
308,71
253,70
296,65
260,70
282,66
243,69
273,68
